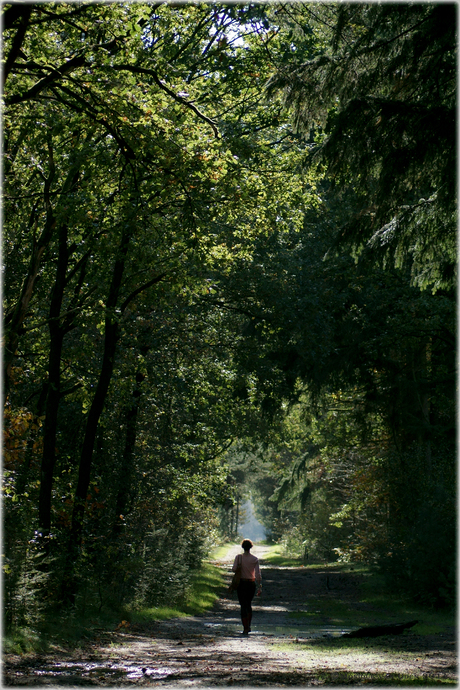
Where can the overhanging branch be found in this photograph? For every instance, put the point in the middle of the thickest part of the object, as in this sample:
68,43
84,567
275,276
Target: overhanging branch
179,99
140,289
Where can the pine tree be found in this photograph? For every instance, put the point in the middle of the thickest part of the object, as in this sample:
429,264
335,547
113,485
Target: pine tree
380,101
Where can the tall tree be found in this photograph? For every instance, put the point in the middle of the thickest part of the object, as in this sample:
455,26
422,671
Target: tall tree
146,166
381,94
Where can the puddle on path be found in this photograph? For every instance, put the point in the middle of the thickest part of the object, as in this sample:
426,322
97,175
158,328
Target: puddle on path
274,625
94,670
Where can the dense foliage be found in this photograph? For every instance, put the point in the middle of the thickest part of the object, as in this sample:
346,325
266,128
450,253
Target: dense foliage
382,92
179,281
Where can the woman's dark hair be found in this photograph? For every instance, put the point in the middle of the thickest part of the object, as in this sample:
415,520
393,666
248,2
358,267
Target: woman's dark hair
247,544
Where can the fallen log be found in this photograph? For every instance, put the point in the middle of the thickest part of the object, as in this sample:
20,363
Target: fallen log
378,630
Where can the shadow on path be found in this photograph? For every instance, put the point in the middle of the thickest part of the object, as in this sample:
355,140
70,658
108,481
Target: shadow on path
283,650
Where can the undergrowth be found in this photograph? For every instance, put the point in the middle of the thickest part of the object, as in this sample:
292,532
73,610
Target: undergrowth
205,587
379,605
75,628
372,605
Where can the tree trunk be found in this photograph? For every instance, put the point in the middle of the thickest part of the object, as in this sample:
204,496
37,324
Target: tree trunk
378,630
15,319
237,517
97,406
94,415
110,344
57,332
126,470
24,472
22,12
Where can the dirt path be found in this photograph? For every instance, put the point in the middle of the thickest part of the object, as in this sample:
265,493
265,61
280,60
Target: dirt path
282,650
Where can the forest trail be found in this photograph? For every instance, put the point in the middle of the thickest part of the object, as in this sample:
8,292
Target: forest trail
282,650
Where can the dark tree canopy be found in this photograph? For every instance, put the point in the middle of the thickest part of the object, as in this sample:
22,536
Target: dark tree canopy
382,94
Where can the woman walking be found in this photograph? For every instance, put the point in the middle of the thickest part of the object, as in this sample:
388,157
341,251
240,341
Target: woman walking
250,572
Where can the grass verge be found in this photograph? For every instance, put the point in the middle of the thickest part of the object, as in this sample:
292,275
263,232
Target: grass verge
371,604
336,661
205,587
376,605
75,630
276,557
380,679
220,552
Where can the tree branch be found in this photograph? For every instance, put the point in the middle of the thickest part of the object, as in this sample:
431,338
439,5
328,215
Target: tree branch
25,12
56,74
179,99
93,113
59,72
140,289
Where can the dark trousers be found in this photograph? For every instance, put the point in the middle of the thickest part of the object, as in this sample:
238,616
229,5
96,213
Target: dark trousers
246,590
